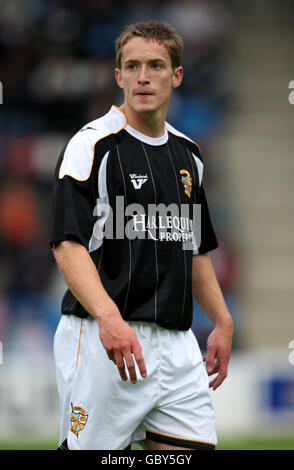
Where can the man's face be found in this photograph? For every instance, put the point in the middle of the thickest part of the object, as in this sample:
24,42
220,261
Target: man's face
147,76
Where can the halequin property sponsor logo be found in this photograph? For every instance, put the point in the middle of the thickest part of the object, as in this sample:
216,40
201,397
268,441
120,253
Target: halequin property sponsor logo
172,223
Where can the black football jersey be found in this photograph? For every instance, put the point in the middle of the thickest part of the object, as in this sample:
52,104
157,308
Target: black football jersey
138,205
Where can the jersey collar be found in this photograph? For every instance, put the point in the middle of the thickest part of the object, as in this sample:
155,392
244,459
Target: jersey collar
138,135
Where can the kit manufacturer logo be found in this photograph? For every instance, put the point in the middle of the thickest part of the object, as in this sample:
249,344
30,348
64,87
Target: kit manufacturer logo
138,180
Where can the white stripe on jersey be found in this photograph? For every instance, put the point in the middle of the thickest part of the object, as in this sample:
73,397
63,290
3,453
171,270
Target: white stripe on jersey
184,251
199,167
130,250
180,134
155,242
102,203
79,155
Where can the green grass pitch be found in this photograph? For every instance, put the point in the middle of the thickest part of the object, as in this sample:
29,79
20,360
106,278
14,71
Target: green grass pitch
248,443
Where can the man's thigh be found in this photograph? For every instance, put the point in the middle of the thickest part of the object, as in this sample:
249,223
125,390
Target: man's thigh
99,410
183,416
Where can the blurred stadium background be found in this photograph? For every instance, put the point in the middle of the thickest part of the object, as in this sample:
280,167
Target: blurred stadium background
56,70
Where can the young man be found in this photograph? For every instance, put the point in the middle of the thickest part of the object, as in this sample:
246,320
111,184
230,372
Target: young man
128,307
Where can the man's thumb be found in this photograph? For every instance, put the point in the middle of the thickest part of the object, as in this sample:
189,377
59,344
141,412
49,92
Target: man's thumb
209,359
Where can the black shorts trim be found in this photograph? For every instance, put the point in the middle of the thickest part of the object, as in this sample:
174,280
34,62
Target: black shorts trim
178,441
63,446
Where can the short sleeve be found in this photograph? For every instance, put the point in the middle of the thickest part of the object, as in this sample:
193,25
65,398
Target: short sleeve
204,235
74,194
208,240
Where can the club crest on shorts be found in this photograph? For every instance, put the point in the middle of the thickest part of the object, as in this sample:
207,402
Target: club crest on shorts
78,419
187,181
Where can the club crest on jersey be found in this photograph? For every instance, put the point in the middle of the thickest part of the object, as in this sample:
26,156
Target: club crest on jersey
138,180
78,419
187,182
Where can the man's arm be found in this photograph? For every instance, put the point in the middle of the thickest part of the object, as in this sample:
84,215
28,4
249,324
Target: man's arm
207,293
83,280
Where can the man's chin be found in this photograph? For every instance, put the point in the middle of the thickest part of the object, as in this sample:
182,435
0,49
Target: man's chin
144,107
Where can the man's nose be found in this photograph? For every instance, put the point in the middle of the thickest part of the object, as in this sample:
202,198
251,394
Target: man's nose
143,77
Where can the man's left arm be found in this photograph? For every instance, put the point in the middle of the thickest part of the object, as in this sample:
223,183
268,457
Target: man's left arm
207,293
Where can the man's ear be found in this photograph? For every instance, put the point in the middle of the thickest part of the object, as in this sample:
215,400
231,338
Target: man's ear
178,76
118,77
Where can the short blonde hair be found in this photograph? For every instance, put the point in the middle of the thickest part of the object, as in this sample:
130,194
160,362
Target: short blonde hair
152,31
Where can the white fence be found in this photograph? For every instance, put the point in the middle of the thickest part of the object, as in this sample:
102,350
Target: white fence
257,397
28,399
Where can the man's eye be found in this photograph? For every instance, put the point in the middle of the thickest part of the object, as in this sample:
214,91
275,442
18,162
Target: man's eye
131,66
155,66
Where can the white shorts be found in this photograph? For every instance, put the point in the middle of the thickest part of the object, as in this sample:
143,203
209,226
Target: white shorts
99,411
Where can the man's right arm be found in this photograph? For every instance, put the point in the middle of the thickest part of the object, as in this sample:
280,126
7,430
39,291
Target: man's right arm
83,280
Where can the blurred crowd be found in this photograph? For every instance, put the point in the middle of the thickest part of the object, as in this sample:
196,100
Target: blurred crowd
57,72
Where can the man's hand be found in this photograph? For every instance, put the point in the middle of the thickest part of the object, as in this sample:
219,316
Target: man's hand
207,292
82,278
217,358
121,344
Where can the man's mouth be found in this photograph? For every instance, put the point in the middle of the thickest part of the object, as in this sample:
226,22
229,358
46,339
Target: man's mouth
143,93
